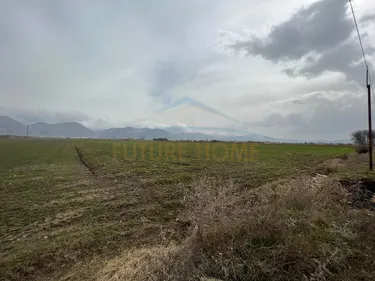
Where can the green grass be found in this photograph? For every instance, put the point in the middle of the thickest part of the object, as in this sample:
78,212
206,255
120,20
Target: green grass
57,212
161,162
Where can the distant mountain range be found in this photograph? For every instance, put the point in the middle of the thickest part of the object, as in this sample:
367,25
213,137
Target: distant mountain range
9,126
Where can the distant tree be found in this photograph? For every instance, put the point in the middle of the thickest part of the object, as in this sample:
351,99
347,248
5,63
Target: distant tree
360,137
160,139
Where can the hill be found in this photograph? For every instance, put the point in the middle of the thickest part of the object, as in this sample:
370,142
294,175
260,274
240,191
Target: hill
9,126
66,129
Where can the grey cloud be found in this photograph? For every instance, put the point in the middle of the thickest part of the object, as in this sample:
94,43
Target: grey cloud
337,59
28,116
367,18
123,58
165,77
168,74
324,29
334,118
63,49
314,29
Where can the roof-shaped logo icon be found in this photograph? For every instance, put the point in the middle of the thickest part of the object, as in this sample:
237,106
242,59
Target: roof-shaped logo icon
191,115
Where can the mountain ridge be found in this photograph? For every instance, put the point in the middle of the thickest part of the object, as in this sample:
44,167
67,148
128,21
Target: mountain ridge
10,126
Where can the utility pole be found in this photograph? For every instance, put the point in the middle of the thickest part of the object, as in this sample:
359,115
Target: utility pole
27,131
368,84
369,119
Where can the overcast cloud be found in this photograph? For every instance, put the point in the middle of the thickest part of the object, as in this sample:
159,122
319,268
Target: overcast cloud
285,68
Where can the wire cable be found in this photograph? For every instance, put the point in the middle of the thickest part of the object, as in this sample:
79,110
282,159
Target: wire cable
359,35
362,49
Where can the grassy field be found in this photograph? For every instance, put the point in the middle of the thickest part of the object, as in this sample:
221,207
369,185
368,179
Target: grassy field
68,206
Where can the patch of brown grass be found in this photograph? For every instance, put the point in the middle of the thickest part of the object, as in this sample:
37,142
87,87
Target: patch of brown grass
297,230
332,165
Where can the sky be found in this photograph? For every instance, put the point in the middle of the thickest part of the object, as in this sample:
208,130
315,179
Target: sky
289,69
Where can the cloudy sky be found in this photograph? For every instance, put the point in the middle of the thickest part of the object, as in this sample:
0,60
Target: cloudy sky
284,68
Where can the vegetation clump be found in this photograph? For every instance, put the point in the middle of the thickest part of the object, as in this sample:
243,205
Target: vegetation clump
295,230
361,139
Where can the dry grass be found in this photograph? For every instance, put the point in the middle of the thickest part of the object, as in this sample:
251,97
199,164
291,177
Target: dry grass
332,165
59,221
297,230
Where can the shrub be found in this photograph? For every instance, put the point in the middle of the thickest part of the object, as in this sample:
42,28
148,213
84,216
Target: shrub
296,230
362,149
160,139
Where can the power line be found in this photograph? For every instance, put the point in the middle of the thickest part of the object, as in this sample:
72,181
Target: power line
359,35
362,49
